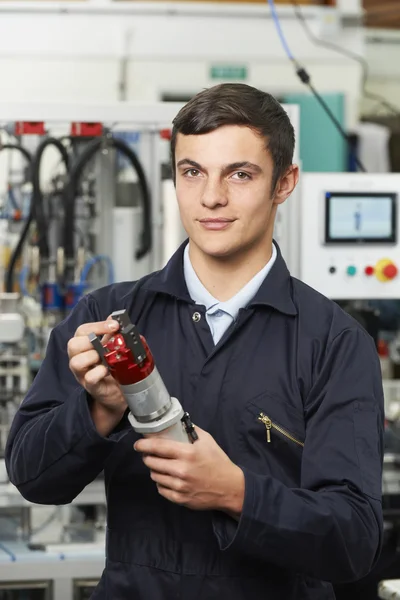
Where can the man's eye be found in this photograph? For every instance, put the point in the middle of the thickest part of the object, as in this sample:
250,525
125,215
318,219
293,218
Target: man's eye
191,173
241,175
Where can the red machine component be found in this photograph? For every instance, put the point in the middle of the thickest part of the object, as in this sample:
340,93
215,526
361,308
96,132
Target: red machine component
165,134
86,129
126,353
29,128
121,361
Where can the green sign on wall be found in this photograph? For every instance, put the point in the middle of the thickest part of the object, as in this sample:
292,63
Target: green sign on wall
228,72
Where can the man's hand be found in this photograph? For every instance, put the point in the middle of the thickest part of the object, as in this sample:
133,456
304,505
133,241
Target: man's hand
199,476
109,403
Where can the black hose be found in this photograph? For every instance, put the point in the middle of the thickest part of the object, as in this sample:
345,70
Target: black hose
9,276
71,191
37,196
19,148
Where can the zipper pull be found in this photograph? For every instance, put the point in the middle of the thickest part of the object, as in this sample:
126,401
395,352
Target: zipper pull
268,425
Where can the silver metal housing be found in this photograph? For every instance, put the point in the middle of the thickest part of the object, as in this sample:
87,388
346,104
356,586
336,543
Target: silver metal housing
148,399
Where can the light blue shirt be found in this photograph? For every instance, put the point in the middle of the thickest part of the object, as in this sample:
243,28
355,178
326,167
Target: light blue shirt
220,315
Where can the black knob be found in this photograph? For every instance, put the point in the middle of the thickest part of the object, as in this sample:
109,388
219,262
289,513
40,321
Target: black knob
332,270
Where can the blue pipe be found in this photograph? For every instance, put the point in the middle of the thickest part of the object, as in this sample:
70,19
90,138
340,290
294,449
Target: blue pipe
93,261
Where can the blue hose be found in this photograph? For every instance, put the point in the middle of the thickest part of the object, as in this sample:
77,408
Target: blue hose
279,30
8,551
23,274
93,261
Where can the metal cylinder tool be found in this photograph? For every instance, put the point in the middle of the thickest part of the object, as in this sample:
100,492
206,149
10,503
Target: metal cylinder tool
129,360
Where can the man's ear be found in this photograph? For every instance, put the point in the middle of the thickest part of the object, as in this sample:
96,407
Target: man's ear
286,184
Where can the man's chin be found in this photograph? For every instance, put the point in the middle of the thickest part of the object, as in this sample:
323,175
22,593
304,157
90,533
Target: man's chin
218,251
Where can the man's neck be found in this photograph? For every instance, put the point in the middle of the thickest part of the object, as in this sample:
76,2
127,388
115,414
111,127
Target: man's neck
224,278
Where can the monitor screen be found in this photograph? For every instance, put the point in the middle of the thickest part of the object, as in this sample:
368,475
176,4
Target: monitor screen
360,218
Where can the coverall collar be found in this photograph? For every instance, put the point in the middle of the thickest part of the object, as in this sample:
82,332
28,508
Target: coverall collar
275,291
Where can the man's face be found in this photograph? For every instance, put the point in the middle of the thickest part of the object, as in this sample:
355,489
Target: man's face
223,186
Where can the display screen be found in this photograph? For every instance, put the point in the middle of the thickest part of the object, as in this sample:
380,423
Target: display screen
360,218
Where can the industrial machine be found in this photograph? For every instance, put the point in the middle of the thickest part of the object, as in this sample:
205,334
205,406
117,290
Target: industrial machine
350,252
350,246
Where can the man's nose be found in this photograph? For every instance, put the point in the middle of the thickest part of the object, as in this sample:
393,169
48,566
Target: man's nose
214,194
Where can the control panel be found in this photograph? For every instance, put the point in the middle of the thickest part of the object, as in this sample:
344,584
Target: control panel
350,234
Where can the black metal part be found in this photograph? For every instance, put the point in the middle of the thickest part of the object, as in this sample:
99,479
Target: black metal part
189,427
122,318
131,335
97,345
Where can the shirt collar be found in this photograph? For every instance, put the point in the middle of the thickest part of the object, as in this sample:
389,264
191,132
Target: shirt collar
201,295
196,289
275,291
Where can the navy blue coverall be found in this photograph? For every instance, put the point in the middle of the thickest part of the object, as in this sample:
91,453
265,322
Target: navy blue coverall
312,507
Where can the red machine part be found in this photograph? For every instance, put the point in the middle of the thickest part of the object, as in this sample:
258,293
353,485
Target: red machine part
29,128
86,129
166,134
122,363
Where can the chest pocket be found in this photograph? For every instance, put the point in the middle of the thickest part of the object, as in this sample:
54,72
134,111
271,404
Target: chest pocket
271,438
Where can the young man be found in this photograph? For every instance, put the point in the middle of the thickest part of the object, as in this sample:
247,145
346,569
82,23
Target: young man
281,493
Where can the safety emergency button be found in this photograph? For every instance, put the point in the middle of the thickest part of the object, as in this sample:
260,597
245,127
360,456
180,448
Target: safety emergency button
390,271
386,270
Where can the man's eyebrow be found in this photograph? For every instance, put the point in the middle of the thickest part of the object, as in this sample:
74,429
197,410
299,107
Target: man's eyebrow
192,163
242,165
226,169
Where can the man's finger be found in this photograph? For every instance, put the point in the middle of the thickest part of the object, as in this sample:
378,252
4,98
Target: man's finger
167,466
76,345
93,376
100,328
168,482
172,495
84,360
106,338
162,447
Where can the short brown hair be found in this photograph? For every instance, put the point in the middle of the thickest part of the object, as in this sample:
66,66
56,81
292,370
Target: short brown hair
239,104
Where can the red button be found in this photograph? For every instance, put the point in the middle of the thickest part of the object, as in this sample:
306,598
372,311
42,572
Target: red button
369,270
390,271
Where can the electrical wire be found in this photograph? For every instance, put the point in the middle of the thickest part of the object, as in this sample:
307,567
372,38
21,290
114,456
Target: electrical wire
348,54
37,196
36,211
71,191
18,148
279,30
306,79
9,275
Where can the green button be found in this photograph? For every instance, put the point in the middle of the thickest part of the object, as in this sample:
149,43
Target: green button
351,270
